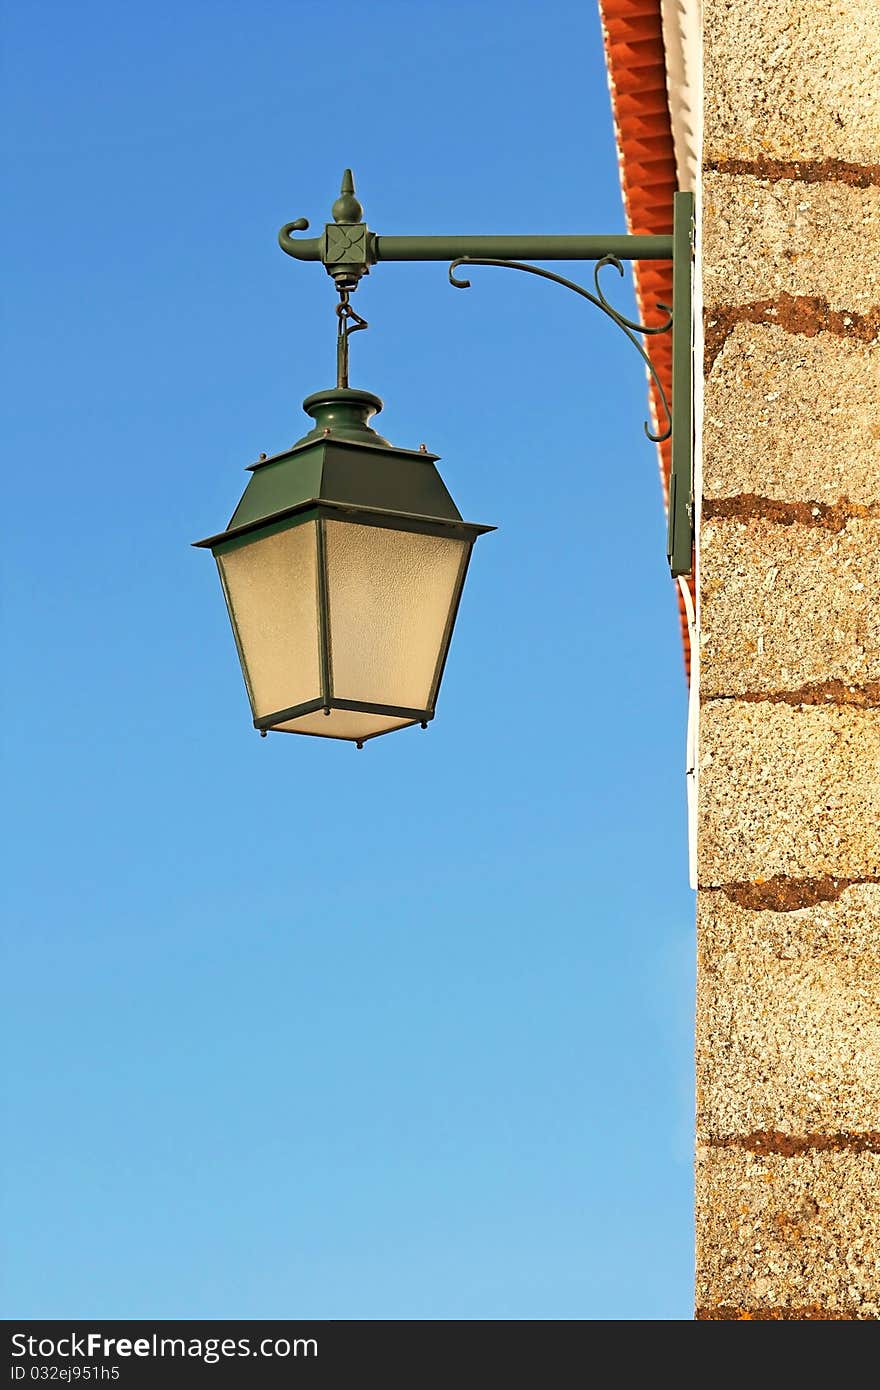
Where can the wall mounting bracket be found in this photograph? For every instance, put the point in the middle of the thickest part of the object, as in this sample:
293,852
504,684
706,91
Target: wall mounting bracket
348,250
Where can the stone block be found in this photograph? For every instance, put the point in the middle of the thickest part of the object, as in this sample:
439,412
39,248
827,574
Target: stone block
792,81
791,790
793,417
788,1016
763,237
788,1232
784,606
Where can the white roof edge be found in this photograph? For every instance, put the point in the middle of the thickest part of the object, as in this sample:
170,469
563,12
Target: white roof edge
682,41
682,22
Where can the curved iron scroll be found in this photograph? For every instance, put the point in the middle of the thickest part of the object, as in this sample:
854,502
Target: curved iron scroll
627,326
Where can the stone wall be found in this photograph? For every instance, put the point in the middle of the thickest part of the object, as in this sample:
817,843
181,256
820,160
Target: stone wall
788,1029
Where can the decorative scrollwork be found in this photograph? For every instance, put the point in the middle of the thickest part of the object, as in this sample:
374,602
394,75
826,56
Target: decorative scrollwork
627,326
284,238
615,313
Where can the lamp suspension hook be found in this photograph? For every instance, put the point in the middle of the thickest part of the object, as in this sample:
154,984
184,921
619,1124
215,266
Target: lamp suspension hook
348,321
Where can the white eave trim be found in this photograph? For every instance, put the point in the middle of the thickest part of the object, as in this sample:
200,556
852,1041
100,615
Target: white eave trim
682,40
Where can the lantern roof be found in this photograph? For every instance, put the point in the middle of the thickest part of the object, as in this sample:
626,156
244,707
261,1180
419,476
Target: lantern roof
344,465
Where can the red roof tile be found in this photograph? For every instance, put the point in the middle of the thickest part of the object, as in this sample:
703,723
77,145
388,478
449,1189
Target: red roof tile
634,54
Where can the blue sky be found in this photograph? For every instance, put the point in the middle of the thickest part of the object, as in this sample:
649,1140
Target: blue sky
292,1030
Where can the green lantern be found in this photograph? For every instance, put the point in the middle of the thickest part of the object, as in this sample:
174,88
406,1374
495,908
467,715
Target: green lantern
343,567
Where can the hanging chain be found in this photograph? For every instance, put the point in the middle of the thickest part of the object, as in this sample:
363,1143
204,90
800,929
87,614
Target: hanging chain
349,321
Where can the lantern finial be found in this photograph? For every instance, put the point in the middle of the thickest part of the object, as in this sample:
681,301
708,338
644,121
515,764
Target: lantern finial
347,207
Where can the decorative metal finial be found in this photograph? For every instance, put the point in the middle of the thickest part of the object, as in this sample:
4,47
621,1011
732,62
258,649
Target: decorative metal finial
347,208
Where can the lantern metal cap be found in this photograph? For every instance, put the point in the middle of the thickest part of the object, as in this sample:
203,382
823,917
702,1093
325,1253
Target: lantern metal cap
343,464
344,413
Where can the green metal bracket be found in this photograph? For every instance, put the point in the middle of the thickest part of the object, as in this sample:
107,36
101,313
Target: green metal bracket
348,249
680,542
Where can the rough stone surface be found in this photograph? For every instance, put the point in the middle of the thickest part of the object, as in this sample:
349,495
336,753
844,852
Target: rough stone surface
762,586
792,80
788,790
788,1016
788,1025
792,417
765,237
776,1232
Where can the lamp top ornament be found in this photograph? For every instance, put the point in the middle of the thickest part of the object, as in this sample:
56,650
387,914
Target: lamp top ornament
347,208
347,246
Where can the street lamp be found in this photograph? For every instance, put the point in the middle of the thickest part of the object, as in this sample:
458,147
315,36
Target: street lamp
343,566
344,562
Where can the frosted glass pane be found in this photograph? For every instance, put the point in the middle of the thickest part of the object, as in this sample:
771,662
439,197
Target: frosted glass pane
390,593
342,723
272,591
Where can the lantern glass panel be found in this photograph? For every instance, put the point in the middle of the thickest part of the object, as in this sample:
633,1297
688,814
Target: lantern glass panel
342,723
271,588
390,596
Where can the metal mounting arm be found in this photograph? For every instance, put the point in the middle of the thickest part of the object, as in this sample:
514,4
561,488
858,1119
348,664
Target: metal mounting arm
348,249
373,248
